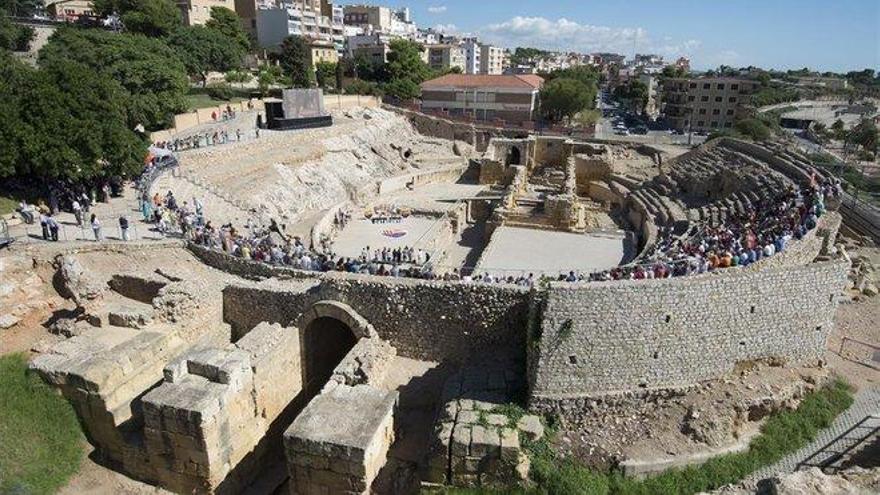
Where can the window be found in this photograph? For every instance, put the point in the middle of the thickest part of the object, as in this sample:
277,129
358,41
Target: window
692,98
732,99
730,112
716,111
702,111
734,87
701,123
693,85
720,86
727,124
718,99
707,86
714,124
704,98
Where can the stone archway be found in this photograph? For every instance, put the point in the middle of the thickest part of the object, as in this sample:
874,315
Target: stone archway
329,330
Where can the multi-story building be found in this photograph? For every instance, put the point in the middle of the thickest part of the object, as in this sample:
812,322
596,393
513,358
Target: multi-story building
322,51
484,97
299,18
491,60
374,46
70,10
705,104
379,18
472,52
445,57
334,13
197,12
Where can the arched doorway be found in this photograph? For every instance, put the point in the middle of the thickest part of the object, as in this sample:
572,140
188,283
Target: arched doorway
513,156
325,341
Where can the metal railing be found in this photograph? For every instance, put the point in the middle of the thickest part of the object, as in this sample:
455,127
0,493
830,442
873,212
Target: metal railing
825,457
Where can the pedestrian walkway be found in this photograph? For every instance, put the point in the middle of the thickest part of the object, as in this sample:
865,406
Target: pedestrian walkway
866,403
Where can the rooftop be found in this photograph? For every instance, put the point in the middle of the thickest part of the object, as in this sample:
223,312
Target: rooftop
525,81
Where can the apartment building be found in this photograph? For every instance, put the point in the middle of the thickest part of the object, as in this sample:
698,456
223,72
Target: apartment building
705,104
197,12
373,18
445,57
472,52
491,60
484,97
299,18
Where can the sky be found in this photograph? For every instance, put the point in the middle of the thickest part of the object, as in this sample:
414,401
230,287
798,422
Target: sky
825,35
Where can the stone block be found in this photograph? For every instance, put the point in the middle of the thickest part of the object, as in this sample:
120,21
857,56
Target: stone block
461,440
485,442
531,426
510,447
129,315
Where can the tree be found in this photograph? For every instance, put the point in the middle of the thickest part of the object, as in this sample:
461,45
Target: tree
752,128
14,36
228,23
69,122
865,135
154,18
238,77
634,94
268,76
405,62
563,98
325,73
674,71
838,130
295,59
150,72
204,50
405,89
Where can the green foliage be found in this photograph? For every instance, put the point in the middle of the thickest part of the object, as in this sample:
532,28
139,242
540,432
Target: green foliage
295,60
524,54
65,121
150,17
268,76
753,128
634,95
865,135
513,411
227,23
562,98
13,36
771,95
204,50
220,92
587,118
21,8
150,72
325,73
361,87
673,71
405,70
587,75
238,76
41,446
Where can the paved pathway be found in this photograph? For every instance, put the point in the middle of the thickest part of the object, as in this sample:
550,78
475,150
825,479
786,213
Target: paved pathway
867,402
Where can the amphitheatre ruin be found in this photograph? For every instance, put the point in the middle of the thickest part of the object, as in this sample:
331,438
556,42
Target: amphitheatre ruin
423,275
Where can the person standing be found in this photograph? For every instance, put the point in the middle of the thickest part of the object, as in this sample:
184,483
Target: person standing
53,228
77,213
123,227
96,228
44,224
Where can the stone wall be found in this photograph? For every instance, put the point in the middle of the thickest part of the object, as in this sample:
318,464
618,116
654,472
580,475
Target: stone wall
430,320
598,338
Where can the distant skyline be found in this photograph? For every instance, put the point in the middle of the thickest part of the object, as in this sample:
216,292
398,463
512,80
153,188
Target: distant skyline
825,35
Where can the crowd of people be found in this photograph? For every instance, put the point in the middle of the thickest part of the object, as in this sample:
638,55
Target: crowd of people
201,140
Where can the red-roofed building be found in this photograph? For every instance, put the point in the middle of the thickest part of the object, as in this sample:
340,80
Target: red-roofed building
513,98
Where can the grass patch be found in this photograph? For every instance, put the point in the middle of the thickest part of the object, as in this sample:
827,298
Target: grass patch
7,205
41,445
782,434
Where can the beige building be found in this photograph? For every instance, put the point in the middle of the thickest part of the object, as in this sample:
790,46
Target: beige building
70,10
197,12
491,59
705,104
445,57
323,51
512,98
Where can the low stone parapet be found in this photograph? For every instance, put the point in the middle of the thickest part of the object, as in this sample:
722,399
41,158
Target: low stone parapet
340,441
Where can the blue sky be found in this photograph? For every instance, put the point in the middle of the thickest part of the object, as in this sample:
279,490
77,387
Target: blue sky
834,35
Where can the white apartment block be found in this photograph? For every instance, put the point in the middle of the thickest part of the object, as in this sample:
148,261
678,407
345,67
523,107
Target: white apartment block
491,59
299,18
472,52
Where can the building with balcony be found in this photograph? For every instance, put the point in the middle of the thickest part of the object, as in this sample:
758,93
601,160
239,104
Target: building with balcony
197,12
445,57
509,98
301,18
705,104
372,18
491,60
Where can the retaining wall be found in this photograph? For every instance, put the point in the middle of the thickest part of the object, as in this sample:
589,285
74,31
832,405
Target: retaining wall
598,338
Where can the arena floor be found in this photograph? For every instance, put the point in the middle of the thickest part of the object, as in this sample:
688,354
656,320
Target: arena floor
514,250
417,232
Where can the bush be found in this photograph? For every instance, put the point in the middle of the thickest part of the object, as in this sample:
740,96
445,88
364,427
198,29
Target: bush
40,440
220,92
361,87
753,128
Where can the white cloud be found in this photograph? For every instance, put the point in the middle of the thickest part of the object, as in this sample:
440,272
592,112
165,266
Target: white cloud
439,9
446,28
724,57
563,34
